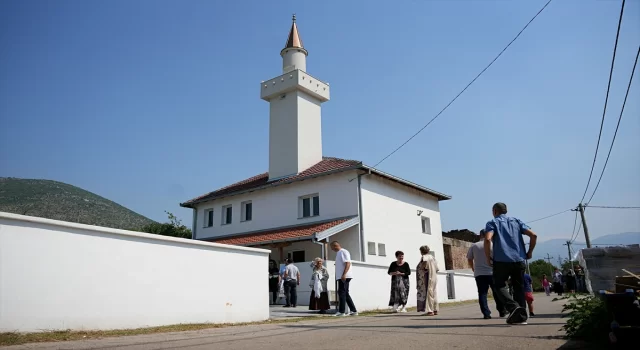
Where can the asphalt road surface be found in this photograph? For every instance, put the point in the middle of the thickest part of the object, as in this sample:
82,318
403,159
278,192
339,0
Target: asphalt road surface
460,327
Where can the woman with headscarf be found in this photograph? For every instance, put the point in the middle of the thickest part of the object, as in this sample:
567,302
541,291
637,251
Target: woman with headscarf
319,299
399,271
274,278
427,279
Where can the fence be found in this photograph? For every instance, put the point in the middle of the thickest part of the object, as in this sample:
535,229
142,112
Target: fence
58,275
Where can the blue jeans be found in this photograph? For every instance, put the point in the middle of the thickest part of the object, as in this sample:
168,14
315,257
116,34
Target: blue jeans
484,283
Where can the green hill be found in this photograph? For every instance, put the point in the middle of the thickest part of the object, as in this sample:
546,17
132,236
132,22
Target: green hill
60,201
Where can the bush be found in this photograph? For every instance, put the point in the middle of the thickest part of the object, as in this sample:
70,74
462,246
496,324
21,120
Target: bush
588,318
173,228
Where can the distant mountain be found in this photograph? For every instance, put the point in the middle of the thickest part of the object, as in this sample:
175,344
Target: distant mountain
556,247
60,201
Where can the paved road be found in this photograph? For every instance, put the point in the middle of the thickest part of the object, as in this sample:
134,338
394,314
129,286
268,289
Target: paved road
458,327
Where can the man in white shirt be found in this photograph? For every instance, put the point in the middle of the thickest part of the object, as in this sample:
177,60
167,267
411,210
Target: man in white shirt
483,273
343,276
291,283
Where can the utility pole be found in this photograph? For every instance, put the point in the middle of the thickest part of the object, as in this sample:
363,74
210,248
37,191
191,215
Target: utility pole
548,259
568,244
584,225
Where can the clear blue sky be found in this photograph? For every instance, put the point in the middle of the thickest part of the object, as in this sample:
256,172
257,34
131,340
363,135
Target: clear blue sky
150,103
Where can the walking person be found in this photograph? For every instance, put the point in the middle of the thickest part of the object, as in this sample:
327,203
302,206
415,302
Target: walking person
484,278
546,285
509,255
399,271
344,274
426,282
319,299
570,279
557,282
528,293
291,283
274,277
580,283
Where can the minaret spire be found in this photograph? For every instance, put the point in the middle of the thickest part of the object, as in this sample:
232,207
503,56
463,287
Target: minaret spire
294,40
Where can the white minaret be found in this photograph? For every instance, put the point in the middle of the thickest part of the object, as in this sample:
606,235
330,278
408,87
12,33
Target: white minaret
295,127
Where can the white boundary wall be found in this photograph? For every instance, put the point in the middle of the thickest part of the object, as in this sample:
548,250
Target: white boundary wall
59,275
371,285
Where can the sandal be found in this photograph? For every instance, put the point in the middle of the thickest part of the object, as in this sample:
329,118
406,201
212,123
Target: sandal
429,314
435,313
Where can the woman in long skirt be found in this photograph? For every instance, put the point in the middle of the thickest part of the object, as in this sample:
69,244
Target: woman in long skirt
319,299
427,280
399,271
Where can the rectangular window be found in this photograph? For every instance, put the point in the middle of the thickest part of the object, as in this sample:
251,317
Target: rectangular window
297,256
382,249
426,225
306,207
309,206
371,248
227,214
316,206
208,217
247,211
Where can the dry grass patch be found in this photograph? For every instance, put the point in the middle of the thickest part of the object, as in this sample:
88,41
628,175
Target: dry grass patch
15,338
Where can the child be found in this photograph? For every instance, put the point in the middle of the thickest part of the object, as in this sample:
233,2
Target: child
546,285
528,293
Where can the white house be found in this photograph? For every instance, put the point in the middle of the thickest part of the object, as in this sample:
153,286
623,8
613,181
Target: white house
306,200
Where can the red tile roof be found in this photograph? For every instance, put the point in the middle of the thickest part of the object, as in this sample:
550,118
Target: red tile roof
327,165
278,234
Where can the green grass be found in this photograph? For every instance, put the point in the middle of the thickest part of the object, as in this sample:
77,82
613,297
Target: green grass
15,338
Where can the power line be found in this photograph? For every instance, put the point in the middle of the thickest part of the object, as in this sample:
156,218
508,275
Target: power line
606,100
575,221
617,126
466,87
573,239
600,244
605,207
549,216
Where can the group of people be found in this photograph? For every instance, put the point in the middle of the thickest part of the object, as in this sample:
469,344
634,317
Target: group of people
571,280
426,283
498,263
287,281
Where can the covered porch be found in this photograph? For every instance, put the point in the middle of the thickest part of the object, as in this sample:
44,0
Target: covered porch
303,243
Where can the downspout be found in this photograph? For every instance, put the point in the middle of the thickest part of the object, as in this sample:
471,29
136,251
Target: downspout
361,224
194,224
323,254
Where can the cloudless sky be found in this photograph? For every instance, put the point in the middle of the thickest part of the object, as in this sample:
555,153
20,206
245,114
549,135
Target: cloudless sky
151,103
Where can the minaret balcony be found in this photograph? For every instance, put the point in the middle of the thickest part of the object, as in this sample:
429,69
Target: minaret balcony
294,80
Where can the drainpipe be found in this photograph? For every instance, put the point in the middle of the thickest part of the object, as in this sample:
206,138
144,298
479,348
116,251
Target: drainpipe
323,254
361,224
195,223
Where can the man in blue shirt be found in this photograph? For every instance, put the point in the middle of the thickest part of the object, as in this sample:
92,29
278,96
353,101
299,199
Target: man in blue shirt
509,255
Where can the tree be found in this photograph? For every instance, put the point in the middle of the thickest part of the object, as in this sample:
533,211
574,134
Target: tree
173,228
538,268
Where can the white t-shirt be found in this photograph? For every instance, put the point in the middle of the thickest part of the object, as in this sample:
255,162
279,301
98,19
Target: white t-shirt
342,258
